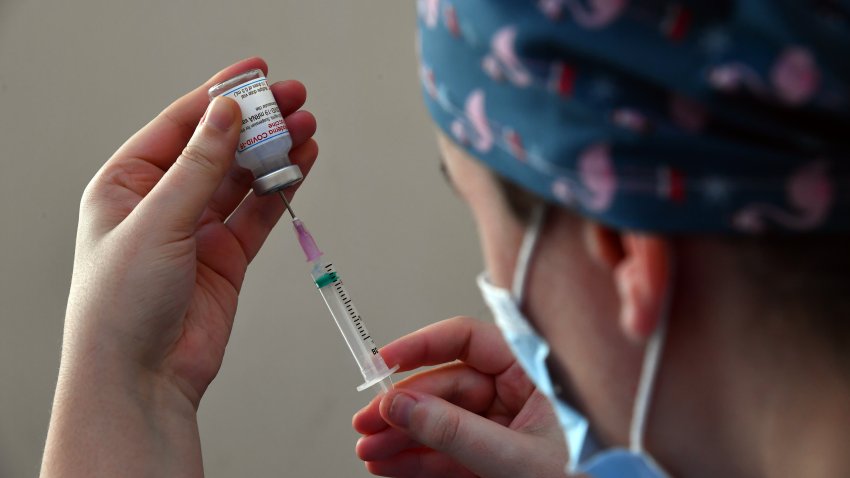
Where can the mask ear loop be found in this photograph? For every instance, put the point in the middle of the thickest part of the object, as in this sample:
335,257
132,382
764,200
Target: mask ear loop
651,361
526,250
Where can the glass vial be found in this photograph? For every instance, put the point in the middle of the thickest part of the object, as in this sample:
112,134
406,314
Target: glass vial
264,140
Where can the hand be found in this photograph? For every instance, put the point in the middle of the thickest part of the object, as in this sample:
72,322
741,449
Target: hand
163,244
162,248
477,416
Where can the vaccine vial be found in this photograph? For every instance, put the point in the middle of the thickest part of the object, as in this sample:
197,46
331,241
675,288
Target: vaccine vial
264,140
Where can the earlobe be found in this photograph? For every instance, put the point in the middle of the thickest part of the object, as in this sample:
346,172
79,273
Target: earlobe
640,265
642,278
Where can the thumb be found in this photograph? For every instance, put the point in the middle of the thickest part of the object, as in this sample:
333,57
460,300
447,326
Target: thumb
180,197
483,446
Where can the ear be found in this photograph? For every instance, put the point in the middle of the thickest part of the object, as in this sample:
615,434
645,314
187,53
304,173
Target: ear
640,265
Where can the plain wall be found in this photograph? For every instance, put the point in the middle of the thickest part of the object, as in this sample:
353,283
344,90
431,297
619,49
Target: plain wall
78,78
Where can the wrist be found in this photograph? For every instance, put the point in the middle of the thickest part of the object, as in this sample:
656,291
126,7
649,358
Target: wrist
111,416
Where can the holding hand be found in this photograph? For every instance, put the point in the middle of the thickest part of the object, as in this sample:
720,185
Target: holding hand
162,247
478,415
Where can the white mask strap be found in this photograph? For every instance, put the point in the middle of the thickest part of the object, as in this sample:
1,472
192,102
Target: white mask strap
529,241
651,360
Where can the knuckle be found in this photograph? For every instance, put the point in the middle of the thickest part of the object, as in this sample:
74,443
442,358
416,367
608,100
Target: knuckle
198,156
90,193
446,428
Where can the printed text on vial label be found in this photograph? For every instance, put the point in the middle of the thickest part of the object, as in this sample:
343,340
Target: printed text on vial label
261,118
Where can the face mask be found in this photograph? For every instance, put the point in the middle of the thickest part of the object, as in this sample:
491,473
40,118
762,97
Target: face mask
584,452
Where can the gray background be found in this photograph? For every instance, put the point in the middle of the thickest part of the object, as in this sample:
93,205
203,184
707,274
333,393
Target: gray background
77,78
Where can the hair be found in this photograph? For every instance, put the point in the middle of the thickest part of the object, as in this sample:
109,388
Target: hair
807,277
521,202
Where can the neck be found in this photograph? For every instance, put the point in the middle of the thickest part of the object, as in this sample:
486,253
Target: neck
804,417
755,395
786,408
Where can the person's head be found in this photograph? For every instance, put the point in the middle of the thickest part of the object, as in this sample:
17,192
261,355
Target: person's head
673,164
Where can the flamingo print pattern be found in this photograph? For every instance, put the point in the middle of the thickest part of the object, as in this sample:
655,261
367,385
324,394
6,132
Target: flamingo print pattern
502,63
591,14
793,79
810,194
795,76
658,114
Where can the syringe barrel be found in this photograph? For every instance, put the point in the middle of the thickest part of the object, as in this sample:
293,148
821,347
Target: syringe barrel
351,325
264,140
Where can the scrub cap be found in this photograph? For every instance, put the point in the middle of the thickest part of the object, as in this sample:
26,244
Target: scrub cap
714,116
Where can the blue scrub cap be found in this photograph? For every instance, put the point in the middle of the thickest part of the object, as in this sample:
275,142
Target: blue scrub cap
714,116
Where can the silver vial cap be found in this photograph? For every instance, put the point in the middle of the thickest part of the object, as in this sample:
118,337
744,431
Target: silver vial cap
277,180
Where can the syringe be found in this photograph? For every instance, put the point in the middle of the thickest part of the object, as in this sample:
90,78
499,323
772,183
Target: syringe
264,145
348,320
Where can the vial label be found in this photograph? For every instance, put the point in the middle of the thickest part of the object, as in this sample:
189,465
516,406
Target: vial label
261,118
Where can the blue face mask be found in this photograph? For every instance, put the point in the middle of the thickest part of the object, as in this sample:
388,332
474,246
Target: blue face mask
584,452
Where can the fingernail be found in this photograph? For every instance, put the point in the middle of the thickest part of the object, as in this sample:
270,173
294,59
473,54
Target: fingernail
401,409
219,114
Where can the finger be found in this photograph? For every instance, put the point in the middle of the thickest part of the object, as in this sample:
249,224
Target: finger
178,200
419,464
237,183
455,383
384,445
367,420
230,193
476,343
480,445
162,140
302,126
290,96
254,219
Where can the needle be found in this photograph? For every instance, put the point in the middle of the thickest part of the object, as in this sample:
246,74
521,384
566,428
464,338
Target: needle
288,207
